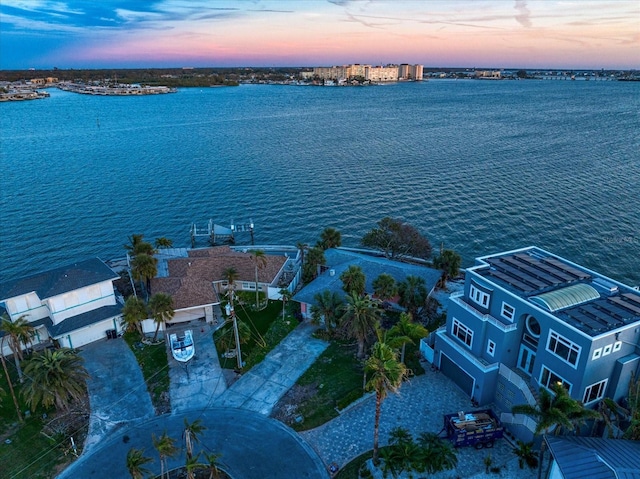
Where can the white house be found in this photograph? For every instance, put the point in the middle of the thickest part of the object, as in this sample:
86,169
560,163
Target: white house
73,305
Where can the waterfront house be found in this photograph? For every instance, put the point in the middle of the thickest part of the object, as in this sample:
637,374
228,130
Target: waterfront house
338,261
196,279
527,319
73,305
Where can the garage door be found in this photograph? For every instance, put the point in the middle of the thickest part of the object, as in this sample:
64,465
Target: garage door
456,374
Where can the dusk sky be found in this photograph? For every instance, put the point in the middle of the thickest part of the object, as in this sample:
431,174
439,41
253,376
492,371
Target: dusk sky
215,33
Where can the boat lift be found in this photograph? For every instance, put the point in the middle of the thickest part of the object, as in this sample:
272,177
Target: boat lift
218,234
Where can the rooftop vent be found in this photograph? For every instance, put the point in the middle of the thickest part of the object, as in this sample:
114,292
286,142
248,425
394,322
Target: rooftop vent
605,285
332,272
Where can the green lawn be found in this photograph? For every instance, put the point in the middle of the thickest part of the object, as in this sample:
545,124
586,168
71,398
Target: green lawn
154,364
267,330
336,380
30,454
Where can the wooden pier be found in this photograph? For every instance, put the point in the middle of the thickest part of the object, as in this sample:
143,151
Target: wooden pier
218,234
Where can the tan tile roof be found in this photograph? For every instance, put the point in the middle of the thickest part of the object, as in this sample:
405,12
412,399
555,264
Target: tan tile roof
189,280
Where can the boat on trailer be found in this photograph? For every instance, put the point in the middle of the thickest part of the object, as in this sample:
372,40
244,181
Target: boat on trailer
182,347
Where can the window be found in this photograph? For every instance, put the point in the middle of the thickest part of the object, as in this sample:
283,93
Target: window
548,378
607,349
479,297
617,346
594,392
463,333
508,311
563,348
596,353
533,326
491,347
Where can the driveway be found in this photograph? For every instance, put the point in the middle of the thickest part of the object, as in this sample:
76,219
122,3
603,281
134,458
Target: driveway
117,391
252,446
262,387
197,383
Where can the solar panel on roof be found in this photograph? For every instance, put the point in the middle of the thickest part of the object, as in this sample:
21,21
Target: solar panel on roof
545,267
586,320
513,282
634,298
538,273
613,309
601,315
625,304
566,268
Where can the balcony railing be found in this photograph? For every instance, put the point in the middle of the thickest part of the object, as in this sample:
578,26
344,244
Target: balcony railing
521,384
456,298
518,419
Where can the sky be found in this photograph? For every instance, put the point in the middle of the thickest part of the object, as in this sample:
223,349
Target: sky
568,34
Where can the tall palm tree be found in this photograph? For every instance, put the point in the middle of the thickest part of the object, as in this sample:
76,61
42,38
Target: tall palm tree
143,268
449,262
259,259
353,280
191,434
56,378
405,331
384,287
166,448
133,313
136,461
360,319
134,242
13,393
231,275
163,243
385,375
213,464
328,307
302,247
161,309
554,410
315,258
285,296
329,238
17,332
413,294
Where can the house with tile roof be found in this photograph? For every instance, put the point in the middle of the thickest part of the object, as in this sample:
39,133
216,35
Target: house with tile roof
73,305
528,319
373,265
196,282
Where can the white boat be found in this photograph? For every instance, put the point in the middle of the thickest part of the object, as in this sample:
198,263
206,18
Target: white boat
182,347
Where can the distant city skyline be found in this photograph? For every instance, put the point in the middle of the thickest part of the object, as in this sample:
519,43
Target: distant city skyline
531,34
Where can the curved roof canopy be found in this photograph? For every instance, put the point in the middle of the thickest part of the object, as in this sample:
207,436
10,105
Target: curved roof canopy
566,297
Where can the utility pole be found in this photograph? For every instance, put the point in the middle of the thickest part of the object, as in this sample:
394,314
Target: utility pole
231,312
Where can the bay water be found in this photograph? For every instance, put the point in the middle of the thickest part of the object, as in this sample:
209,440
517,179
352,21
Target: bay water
479,166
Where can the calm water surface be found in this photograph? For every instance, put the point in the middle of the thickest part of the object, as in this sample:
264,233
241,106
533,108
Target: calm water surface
480,166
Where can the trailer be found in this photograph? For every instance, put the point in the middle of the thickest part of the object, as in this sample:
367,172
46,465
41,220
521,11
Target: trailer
477,428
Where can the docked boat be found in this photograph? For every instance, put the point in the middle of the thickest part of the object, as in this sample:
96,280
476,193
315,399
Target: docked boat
182,347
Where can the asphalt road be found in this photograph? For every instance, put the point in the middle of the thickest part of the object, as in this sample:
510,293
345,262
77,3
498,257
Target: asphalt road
252,447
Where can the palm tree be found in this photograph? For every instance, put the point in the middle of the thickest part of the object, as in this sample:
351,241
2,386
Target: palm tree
386,375
328,307
135,463
192,465
163,243
413,294
329,238
302,247
315,258
259,261
144,267
18,332
133,313
437,454
134,242
191,434
161,309
56,378
285,297
554,410
360,319
384,287
406,331
213,464
449,262
166,448
13,393
524,451
353,280
231,275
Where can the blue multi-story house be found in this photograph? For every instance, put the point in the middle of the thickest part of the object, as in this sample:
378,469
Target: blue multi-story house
527,319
